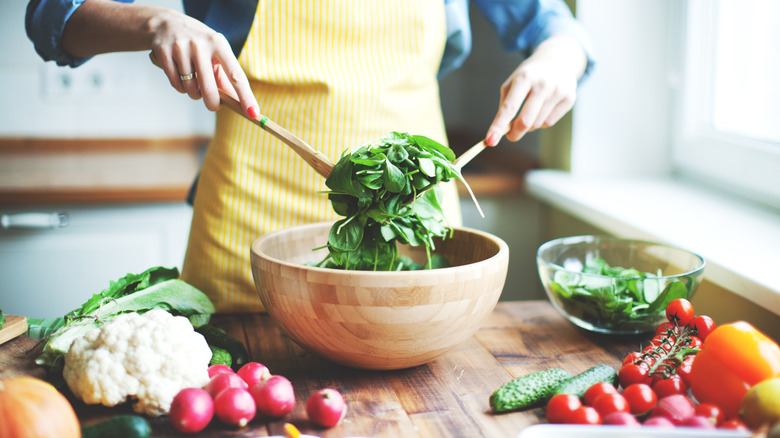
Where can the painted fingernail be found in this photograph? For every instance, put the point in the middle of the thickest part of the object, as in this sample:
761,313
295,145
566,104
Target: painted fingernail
253,112
492,139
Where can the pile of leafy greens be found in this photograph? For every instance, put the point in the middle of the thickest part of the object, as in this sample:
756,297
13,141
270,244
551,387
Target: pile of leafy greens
629,301
382,190
156,287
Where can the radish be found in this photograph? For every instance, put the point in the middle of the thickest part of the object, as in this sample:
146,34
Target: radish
620,419
699,421
677,408
274,396
235,407
219,368
253,372
191,410
222,381
659,422
326,407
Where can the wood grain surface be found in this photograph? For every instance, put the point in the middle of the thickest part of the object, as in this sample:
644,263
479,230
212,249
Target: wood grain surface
447,397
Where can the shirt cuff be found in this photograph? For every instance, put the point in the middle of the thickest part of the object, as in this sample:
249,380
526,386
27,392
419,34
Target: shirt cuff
45,22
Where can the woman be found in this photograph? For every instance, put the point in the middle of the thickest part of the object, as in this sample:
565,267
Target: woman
337,73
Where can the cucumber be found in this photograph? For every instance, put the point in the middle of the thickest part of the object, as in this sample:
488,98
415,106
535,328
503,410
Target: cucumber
580,383
220,356
527,391
120,426
218,338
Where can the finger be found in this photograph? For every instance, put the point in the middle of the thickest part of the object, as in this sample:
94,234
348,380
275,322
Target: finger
524,120
182,58
237,81
161,59
558,112
510,104
544,114
207,84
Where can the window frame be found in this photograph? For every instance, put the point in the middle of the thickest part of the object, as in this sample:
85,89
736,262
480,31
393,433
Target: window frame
747,167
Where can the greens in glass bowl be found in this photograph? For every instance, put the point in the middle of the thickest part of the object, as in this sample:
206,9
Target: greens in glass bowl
614,285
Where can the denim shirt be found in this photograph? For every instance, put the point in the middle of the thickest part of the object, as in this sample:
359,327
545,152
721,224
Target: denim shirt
521,25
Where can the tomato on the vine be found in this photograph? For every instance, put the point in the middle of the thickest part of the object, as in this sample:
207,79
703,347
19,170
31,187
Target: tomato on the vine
561,406
632,357
634,373
703,325
596,390
640,397
684,370
674,384
666,328
734,424
680,311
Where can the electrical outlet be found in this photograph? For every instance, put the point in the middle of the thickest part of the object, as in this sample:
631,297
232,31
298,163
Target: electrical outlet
86,81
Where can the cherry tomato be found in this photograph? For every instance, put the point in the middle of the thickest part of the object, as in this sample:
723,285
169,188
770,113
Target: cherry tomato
585,415
596,390
667,328
561,407
680,311
703,325
694,342
607,404
632,357
711,411
734,424
634,373
640,398
684,370
674,384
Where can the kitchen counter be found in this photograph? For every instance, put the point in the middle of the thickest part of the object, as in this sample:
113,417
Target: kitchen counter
447,397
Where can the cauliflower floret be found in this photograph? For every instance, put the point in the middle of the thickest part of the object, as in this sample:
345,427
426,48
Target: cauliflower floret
148,358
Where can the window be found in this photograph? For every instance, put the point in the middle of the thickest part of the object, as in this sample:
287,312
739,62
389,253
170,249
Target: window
728,130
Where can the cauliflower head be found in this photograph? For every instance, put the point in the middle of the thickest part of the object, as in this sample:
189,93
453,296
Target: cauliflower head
147,358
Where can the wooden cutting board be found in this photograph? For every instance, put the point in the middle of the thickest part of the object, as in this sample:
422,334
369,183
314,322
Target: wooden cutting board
13,327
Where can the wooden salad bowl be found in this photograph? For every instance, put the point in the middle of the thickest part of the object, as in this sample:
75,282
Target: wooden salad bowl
378,320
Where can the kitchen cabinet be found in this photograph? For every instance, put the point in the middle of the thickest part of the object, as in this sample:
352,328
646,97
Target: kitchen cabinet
48,270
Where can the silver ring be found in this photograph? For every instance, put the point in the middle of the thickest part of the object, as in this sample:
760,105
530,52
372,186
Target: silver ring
187,77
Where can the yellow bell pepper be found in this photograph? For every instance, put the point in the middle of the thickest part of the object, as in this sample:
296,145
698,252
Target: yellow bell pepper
734,358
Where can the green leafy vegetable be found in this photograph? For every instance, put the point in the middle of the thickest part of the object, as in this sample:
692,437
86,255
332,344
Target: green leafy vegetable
157,287
2,318
381,189
625,303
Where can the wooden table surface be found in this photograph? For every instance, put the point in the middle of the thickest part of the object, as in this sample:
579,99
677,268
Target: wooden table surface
444,398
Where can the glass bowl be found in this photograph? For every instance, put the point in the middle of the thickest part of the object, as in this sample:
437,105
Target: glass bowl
613,285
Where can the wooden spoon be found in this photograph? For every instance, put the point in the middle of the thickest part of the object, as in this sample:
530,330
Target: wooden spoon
317,160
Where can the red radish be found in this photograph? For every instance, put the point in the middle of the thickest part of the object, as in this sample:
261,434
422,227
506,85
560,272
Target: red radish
620,419
659,422
191,410
222,381
235,407
219,368
274,396
326,407
253,372
699,421
676,408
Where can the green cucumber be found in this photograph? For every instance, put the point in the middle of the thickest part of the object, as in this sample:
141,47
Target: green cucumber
527,391
120,426
580,383
220,356
218,338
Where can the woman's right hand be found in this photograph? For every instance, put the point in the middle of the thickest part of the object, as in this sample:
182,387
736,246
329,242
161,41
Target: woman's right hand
198,61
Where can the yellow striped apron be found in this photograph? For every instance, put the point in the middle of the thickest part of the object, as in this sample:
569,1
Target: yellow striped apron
337,73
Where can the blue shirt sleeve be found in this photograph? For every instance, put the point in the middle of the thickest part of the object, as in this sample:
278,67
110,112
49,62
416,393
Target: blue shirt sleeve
45,21
521,26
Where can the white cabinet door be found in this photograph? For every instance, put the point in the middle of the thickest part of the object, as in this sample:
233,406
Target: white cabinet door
46,272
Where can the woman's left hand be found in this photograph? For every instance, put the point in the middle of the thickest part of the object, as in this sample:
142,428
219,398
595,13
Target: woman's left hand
540,91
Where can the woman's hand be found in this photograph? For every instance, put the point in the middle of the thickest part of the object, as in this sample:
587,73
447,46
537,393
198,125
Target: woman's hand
540,91
197,60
